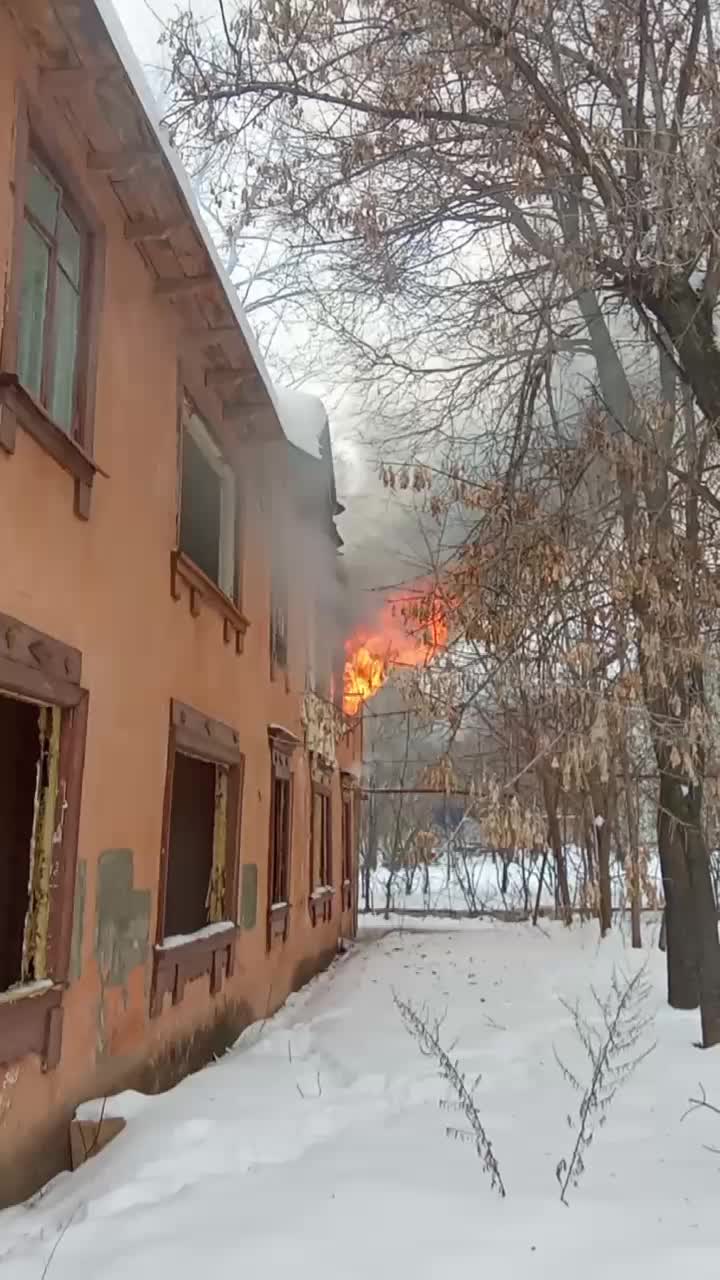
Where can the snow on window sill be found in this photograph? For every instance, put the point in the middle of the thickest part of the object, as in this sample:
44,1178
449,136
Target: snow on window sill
25,990
181,959
180,939
278,922
320,903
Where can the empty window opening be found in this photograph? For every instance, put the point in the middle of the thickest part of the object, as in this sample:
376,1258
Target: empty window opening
321,841
208,507
29,749
195,892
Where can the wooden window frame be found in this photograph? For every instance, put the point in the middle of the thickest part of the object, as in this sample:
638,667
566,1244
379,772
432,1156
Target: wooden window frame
35,134
200,588
320,897
210,950
42,670
282,745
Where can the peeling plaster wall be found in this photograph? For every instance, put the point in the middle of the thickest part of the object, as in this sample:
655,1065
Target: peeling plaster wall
122,915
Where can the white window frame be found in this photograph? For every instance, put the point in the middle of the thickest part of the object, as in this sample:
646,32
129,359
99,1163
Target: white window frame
228,502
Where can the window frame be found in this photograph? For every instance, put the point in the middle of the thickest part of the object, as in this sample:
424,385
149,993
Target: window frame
320,896
35,158
186,577
210,950
42,670
282,745
194,425
73,449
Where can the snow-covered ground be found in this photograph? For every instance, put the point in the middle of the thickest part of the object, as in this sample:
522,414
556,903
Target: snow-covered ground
483,883
317,1146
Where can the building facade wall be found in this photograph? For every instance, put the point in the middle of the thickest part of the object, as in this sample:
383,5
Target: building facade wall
102,586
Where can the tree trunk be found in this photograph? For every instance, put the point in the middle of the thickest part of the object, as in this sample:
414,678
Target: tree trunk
632,819
680,934
550,794
689,323
602,840
685,806
561,869
538,899
602,810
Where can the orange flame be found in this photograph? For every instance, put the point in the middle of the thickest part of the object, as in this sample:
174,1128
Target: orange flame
392,640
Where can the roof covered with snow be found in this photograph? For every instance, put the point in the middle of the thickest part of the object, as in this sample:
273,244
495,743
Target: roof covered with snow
304,419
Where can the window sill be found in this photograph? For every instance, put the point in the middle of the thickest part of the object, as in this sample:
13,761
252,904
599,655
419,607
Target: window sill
203,589
210,951
278,923
320,904
31,1020
18,406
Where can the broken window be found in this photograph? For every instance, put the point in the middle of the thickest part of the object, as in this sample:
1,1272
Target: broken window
30,751
195,887
53,271
208,506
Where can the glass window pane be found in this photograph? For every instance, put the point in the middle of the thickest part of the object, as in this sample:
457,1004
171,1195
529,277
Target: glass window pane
67,317
42,198
69,242
33,301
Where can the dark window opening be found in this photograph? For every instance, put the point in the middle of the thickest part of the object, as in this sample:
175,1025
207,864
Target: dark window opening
321,841
280,835
20,755
190,851
200,513
278,625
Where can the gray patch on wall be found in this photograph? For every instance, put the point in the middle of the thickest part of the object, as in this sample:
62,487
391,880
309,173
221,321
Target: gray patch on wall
78,921
249,893
122,918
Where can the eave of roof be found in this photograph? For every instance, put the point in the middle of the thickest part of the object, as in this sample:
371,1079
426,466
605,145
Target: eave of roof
143,92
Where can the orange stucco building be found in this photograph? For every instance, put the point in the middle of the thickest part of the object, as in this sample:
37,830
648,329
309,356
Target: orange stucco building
177,784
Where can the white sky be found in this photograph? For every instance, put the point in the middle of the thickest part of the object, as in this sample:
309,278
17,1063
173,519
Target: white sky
141,26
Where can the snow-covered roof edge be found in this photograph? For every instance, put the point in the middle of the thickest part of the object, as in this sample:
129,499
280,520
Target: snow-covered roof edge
136,76
304,419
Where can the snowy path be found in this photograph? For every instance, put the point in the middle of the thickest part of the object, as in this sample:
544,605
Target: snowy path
317,1145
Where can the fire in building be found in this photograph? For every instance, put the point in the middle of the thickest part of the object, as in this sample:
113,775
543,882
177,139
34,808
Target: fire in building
178,797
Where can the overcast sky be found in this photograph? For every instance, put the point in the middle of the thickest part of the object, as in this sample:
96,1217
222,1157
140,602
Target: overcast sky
142,26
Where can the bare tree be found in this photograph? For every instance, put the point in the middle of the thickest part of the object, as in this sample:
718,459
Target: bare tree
484,202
